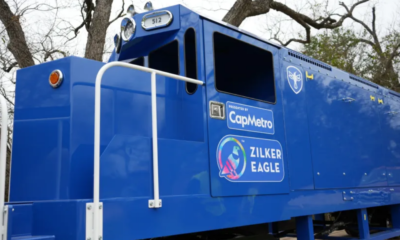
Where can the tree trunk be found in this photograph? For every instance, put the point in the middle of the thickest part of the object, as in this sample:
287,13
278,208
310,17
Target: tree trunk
238,13
98,30
17,46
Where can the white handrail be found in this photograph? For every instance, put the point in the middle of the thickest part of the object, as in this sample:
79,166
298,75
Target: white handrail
156,202
3,164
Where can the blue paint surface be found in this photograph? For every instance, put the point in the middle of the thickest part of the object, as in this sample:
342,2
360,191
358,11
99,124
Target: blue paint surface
248,118
329,145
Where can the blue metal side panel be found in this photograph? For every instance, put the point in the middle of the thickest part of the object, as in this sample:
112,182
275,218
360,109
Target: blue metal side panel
53,132
345,133
391,137
297,134
41,134
19,220
80,181
177,214
63,219
218,129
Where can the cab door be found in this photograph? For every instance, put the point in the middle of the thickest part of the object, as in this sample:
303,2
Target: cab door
245,119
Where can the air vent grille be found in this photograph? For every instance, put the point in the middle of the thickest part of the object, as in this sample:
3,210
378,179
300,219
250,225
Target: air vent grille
310,60
361,80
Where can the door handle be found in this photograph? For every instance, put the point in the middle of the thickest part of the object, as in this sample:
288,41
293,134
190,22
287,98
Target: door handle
348,100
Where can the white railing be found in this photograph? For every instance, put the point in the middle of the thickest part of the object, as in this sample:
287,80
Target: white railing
3,164
94,213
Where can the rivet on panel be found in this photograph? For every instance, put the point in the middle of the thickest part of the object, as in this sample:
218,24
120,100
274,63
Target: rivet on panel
344,173
317,173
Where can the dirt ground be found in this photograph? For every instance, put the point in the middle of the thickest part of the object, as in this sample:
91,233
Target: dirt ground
334,234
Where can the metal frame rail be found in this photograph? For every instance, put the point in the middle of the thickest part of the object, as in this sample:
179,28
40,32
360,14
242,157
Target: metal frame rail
94,211
3,164
305,227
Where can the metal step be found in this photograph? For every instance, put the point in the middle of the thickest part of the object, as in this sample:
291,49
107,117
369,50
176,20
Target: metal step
33,238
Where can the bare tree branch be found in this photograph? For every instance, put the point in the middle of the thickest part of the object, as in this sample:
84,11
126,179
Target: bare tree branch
10,67
306,22
49,54
247,8
120,14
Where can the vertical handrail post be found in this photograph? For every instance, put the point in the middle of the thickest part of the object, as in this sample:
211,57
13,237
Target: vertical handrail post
155,203
3,164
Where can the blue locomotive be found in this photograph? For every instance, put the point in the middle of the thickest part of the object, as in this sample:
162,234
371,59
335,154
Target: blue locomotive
199,130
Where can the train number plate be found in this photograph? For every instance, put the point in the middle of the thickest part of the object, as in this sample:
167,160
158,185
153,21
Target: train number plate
157,20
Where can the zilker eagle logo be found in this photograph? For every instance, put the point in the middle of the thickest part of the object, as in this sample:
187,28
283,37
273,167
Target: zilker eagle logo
246,159
231,161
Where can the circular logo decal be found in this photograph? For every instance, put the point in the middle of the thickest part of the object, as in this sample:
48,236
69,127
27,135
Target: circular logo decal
231,159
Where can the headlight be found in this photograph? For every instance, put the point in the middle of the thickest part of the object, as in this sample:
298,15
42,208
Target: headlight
127,29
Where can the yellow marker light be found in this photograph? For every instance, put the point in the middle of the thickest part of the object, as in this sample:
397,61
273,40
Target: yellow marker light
372,98
56,78
311,76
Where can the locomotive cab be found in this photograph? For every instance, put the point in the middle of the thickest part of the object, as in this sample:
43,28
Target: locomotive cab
241,93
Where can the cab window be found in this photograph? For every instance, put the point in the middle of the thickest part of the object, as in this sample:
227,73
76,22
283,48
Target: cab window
243,70
166,58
